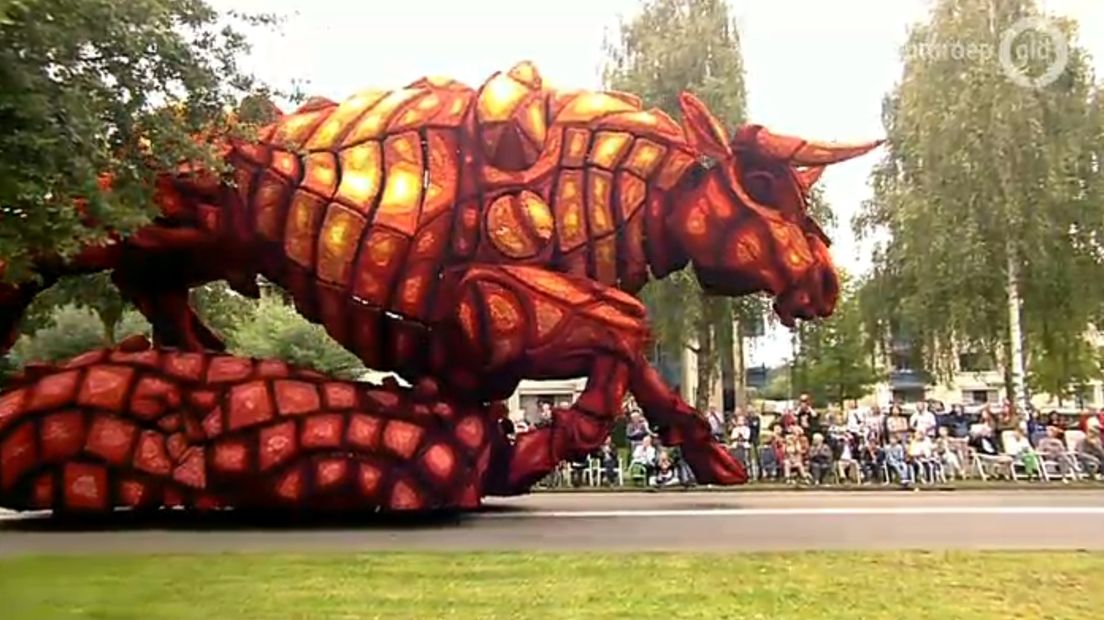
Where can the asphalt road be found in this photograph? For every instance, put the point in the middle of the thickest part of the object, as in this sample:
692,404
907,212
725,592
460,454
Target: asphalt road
669,521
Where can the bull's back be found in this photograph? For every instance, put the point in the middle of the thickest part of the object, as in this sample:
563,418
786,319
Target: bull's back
351,207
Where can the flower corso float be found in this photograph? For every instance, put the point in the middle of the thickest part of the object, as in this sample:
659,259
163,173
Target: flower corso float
462,238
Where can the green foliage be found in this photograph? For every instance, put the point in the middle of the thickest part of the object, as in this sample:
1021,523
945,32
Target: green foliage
72,330
89,87
222,310
981,171
832,361
275,330
95,293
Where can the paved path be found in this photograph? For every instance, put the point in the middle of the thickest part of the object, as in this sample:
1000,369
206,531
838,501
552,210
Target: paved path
669,521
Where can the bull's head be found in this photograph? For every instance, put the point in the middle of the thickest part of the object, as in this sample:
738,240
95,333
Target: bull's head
744,223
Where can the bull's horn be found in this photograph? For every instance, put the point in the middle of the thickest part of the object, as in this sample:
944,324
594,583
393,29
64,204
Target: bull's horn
802,152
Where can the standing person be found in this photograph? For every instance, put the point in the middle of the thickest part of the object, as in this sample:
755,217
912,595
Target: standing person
807,417
923,420
716,424
957,424
636,430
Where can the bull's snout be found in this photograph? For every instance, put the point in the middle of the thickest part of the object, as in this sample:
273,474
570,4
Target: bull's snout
814,296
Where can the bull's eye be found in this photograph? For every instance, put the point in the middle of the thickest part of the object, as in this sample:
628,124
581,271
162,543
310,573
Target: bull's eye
760,186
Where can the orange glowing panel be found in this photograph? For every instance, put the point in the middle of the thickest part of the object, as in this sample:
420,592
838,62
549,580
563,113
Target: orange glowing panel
303,221
379,260
653,123
371,126
502,310
402,190
452,113
413,290
440,461
575,146
402,438
605,260
588,106
551,284
294,129
105,387
631,191
504,231
277,444
417,112
601,218
532,121
609,147
340,119
444,173
644,157
677,163
569,210
547,316
538,213
286,164
429,244
635,271
361,176
499,97
268,206
339,241
321,174
526,73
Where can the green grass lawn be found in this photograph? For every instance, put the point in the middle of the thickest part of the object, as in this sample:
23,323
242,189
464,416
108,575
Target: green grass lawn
809,586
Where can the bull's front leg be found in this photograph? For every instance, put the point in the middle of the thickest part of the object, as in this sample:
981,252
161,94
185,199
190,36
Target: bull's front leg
680,425
525,322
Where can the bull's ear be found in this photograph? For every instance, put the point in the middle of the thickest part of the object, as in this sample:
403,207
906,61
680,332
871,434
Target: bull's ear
704,132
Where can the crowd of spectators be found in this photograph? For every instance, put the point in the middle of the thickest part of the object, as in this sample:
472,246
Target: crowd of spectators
928,443
924,443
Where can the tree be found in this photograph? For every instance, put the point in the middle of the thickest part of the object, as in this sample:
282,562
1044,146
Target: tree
984,197
91,87
276,330
832,361
72,330
669,47
222,309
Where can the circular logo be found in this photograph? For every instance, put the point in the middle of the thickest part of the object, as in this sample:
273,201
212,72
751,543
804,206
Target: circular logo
1049,44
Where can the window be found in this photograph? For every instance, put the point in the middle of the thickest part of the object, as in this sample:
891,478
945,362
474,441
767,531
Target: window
979,397
975,362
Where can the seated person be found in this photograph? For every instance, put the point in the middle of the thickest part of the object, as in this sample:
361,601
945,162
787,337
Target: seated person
847,465
608,460
645,455
921,455
793,460
1050,448
895,460
820,459
665,474
981,440
770,457
872,459
1020,449
945,452
1090,452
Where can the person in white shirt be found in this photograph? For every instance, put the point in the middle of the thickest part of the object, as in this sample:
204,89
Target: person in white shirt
645,454
920,455
923,421
855,420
